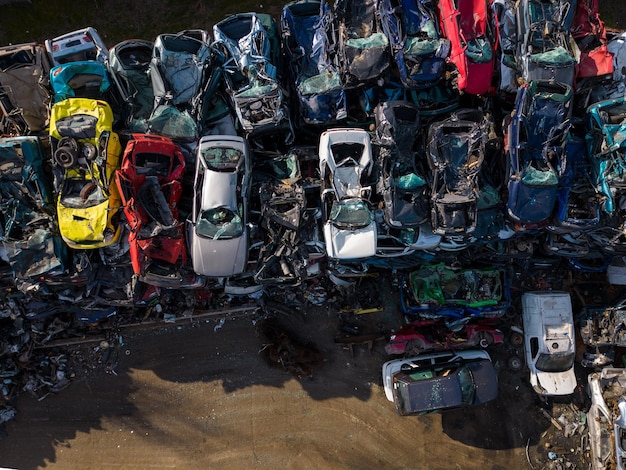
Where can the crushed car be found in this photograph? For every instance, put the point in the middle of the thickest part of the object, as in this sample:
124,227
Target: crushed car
473,43
607,418
417,44
306,32
345,164
217,228
549,342
24,89
250,44
534,148
150,184
86,152
438,335
440,381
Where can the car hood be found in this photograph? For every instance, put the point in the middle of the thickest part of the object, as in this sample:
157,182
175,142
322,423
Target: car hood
350,244
219,258
556,383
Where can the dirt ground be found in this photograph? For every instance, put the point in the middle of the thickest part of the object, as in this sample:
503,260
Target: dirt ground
201,393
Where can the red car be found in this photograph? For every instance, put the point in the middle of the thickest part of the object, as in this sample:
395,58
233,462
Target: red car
473,42
150,184
434,335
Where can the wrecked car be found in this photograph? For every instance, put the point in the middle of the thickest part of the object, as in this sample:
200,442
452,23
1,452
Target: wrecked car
602,329
362,46
186,75
435,291
250,44
607,418
150,184
588,30
549,342
438,335
456,151
545,49
24,88
417,44
313,74
534,141
607,148
86,153
79,45
84,79
32,244
440,381
345,164
217,228
403,181
283,257
467,24
129,70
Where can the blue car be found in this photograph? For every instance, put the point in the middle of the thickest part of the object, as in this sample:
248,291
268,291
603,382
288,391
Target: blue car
312,71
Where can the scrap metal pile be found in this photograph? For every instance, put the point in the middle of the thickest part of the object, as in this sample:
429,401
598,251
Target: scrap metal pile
435,141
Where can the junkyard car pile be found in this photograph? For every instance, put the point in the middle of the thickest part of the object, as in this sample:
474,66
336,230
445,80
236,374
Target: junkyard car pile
449,145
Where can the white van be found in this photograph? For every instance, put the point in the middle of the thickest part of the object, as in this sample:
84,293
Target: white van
549,341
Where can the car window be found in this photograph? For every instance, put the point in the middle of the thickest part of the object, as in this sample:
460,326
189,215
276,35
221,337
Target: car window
222,158
555,362
351,214
220,223
534,346
466,383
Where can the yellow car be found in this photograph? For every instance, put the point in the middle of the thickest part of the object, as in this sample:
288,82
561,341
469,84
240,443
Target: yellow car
85,154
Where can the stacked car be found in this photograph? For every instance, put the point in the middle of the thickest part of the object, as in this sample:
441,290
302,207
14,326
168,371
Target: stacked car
412,136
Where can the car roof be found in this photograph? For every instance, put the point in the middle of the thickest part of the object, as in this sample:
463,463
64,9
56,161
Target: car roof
439,388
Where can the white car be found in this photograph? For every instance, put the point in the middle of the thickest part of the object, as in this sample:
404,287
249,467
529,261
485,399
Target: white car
549,342
79,45
217,228
440,381
607,418
345,164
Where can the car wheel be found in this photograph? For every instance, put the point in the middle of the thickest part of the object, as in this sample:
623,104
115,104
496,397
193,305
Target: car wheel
515,363
485,340
516,339
89,152
65,156
415,346
87,190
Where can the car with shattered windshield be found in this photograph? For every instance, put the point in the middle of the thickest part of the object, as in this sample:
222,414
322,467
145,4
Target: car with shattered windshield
440,381
217,228
86,152
549,341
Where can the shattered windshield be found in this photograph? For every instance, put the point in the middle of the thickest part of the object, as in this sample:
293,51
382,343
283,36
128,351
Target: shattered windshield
222,158
555,362
351,214
221,223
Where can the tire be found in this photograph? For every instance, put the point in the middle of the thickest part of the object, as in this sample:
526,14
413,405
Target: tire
89,152
516,339
66,156
515,363
87,190
485,340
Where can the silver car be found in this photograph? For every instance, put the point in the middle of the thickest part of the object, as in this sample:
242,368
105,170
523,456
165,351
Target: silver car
607,418
217,230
